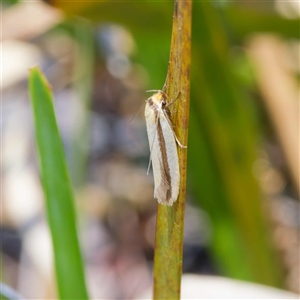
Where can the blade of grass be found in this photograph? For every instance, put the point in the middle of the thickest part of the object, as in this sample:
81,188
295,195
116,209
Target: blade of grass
224,116
58,192
170,220
277,85
246,21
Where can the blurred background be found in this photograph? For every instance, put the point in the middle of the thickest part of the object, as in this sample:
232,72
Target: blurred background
242,210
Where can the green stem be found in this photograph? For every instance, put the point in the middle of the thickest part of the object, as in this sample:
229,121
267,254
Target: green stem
170,220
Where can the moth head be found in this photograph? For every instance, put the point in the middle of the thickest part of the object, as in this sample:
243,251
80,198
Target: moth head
159,99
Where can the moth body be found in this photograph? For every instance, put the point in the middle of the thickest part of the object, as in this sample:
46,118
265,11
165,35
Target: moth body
163,150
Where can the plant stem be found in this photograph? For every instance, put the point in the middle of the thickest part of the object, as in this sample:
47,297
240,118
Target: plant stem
170,220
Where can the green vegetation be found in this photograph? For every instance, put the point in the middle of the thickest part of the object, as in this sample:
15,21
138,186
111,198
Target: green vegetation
58,192
222,145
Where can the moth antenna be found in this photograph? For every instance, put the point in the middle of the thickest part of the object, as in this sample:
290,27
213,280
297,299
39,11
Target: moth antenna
152,144
165,86
153,91
166,81
136,113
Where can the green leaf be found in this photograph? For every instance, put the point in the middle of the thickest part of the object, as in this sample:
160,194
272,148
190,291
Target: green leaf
58,191
222,151
248,21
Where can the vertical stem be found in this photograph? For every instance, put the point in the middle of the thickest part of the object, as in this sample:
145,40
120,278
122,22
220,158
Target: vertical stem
170,220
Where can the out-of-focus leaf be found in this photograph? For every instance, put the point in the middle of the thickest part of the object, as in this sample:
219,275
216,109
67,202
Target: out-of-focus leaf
82,32
247,21
154,17
83,83
140,16
9,2
58,192
222,152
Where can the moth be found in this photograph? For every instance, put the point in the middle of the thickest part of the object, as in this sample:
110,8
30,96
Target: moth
163,150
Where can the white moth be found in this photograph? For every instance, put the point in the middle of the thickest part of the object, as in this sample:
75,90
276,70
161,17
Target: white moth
163,150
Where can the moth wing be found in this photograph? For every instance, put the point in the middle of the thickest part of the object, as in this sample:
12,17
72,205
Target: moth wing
172,156
164,156
160,182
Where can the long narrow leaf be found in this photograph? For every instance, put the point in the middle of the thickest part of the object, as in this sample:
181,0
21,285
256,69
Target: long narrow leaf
58,192
223,151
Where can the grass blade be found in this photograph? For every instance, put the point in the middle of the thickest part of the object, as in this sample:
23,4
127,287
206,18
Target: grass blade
222,156
170,220
58,192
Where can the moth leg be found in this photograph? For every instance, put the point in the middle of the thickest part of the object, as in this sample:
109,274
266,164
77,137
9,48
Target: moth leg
171,126
170,103
179,144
